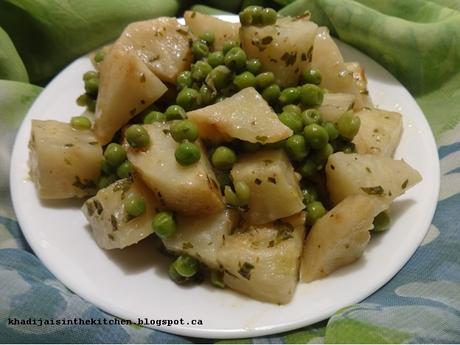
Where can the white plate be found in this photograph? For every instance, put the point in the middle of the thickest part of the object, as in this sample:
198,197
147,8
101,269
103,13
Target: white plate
133,283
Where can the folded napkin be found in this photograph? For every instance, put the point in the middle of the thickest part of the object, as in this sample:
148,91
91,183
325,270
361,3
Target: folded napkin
417,40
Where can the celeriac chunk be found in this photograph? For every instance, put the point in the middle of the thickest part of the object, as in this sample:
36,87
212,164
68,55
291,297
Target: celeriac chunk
383,177
335,75
202,237
245,115
275,191
223,31
111,226
283,48
339,237
126,88
190,190
379,133
162,44
263,261
335,104
64,162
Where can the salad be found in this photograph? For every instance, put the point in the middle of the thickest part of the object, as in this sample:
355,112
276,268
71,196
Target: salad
251,150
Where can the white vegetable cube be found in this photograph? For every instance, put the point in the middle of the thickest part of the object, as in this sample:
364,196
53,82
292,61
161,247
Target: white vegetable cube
111,226
127,86
335,104
335,75
379,133
223,31
283,48
162,43
275,191
263,261
339,237
245,115
64,162
384,177
202,237
191,190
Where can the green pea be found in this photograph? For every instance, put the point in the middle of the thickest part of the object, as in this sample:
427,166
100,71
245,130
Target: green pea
207,37
308,168
268,16
316,136
134,206
186,266
175,277
242,192
245,18
292,120
187,153
311,116
229,45
200,70
341,145
219,78
125,169
90,75
216,58
184,130
188,98
265,79
174,112
255,13
235,59
315,210
331,130
289,95
244,80
114,154
309,194
154,116
348,125
239,197
320,156
92,86
106,168
223,158
292,108
184,79
137,136
83,100
312,76
271,93
105,181
382,221
99,56
254,66
297,147
207,94
217,279
80,122
311,95
163,224
199,50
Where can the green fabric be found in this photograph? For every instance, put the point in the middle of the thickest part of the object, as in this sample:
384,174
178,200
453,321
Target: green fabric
11,65
49,34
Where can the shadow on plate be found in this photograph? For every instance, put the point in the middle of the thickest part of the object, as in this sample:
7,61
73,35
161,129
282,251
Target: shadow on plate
63,204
